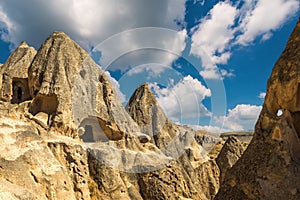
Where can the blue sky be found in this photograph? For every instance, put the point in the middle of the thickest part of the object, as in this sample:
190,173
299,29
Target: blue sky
207,61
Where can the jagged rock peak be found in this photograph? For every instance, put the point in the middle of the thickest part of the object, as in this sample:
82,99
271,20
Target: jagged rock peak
51,78
57,62
14,75
269,168
140,104
23,44
143,93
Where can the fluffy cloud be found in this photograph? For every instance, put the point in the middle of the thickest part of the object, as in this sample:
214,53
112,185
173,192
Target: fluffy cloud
227,25
86,21
212,36
265,17
183,100
241,118
152,70
142,46
92,22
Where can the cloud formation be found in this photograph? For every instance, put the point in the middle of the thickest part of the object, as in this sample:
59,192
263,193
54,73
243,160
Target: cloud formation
241,118
89,22
183,100
92,22
230,24
212,36
264,17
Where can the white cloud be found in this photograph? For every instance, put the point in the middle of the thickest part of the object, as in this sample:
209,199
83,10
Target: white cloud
241,118
265,17
142,46
262,95
88,22
152,69
91,22
226,73
226,26
183,100
212,36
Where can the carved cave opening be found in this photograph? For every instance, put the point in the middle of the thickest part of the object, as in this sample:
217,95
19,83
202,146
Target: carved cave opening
93,131
20,90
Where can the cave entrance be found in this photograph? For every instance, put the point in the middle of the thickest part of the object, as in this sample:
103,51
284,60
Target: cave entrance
93,131
20,90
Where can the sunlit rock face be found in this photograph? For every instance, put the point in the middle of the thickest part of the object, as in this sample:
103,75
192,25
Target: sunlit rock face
269,168
64,134
68,86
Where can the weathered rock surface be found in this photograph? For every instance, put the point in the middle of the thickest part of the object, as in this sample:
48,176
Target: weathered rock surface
193,175
71,89
269,168
137,154
14,76
231,151
28,169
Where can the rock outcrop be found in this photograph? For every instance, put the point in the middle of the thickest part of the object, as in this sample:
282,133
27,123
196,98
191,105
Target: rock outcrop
231,151
14,77
72,90
269,168
192,175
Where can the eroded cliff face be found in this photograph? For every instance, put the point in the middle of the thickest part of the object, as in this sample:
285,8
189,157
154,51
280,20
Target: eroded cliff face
269,168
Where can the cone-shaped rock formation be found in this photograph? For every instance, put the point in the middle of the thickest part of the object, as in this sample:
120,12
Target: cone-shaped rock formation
14,77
